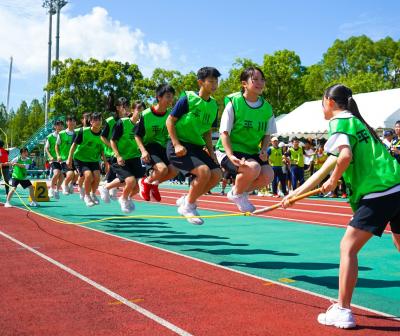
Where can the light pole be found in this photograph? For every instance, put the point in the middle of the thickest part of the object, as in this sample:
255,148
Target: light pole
49,4
59,4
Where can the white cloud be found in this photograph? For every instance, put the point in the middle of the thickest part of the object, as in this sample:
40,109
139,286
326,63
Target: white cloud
24,35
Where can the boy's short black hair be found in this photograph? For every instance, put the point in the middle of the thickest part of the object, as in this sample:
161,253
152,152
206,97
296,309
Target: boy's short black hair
59,122
23,149
70,118
1,143
295,139
205,72
95,116
162,89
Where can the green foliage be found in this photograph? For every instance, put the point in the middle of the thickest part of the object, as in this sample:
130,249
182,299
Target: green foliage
83,86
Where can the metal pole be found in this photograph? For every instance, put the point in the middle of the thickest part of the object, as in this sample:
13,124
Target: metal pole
60,4
9,84
58,35
46,112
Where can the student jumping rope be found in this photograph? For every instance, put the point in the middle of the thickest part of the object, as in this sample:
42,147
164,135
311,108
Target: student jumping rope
85,122
373,178
189,127
19,176
55,164
63,145
151,136
246,122
120,109
4,166
86,153
128,167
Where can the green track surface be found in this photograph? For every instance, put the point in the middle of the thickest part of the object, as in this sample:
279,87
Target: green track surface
269,248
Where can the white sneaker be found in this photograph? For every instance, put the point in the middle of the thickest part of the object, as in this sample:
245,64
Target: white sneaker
104,194
131,204
88,201
71,188
337,316
82,193
65,189
241,202
7,205
94,198
180,201
125,205
51,194
56,194
113,193
33,204
189,210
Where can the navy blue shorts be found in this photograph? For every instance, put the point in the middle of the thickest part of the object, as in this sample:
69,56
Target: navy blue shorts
374,214
195,156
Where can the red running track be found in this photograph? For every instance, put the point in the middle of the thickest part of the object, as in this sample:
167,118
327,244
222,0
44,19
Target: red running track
40,298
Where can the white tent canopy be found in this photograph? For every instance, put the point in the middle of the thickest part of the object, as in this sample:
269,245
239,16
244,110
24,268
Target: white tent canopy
380,109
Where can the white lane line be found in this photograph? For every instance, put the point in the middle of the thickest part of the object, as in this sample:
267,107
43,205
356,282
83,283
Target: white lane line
103,289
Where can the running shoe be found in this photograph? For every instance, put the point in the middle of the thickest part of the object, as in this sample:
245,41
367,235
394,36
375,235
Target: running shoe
337,316
155,192
241,202
104,194
190,212
144,189
88,201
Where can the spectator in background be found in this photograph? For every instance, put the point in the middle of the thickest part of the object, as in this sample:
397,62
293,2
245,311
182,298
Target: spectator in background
395,149
4,166
296,156
309,153
276,161
388,136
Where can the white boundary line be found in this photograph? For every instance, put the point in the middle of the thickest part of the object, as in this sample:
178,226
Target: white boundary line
103,289
231,269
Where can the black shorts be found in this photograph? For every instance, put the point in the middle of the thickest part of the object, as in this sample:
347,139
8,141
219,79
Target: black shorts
232,169
374,214
55,165
132,167
65,168
24,183
196,156
82,166
157,153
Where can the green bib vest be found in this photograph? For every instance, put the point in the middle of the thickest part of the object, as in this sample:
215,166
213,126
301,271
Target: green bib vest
192,125
372,169
155,129
250,124
65,144
126,144
296,157
91,147
108,152
52,145
275,159
18,172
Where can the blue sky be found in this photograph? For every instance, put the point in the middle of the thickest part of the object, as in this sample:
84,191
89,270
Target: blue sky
181,35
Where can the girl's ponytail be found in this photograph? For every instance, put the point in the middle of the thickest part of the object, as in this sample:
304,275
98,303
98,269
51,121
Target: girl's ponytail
343,97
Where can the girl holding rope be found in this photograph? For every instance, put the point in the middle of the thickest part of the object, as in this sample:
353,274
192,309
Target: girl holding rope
373,178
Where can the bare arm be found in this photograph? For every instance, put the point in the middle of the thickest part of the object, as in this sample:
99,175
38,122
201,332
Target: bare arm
264,146
208,139
170,123
145,153
226,142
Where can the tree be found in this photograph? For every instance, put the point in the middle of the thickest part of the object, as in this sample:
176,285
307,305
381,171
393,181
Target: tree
84,86
283,73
